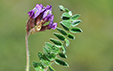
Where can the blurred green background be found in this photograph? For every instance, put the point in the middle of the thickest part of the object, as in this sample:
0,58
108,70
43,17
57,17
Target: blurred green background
91,51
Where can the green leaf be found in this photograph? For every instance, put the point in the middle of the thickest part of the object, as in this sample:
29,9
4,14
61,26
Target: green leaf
63,49
65,16
49,45
66,10
53,48
75,30
62,31
76,22
61,8
62,55
61,62
38,66
40,55
61,37
51,68
70,13
66,23
56,42
51,56
70,36
75,17
65,27
45,63
67,42
46,50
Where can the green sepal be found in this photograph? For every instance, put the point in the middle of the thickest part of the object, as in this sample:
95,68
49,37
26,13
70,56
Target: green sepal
66,23
56,42
61,62
61,8
62,55
75,30
51,68
67,42
63,49
65,16
70,36
38,66
62,31
75,17
61,37
76,22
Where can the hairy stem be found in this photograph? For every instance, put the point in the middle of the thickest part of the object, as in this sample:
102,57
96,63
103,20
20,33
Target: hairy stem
27,53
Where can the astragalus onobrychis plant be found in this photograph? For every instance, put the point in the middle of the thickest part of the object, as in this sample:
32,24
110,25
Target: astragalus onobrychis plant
40,15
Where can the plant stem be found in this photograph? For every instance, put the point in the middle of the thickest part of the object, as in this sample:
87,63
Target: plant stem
27,53
46,69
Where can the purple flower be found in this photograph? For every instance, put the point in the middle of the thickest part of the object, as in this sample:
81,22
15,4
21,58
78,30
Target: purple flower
38,17
36,11
51,24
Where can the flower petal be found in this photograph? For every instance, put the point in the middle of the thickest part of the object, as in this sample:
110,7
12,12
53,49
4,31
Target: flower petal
41,5
37,10
51,21
51,24
47,18
31,13
54,26
47,11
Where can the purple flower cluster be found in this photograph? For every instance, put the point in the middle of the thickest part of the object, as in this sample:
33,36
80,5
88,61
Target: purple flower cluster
39,16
